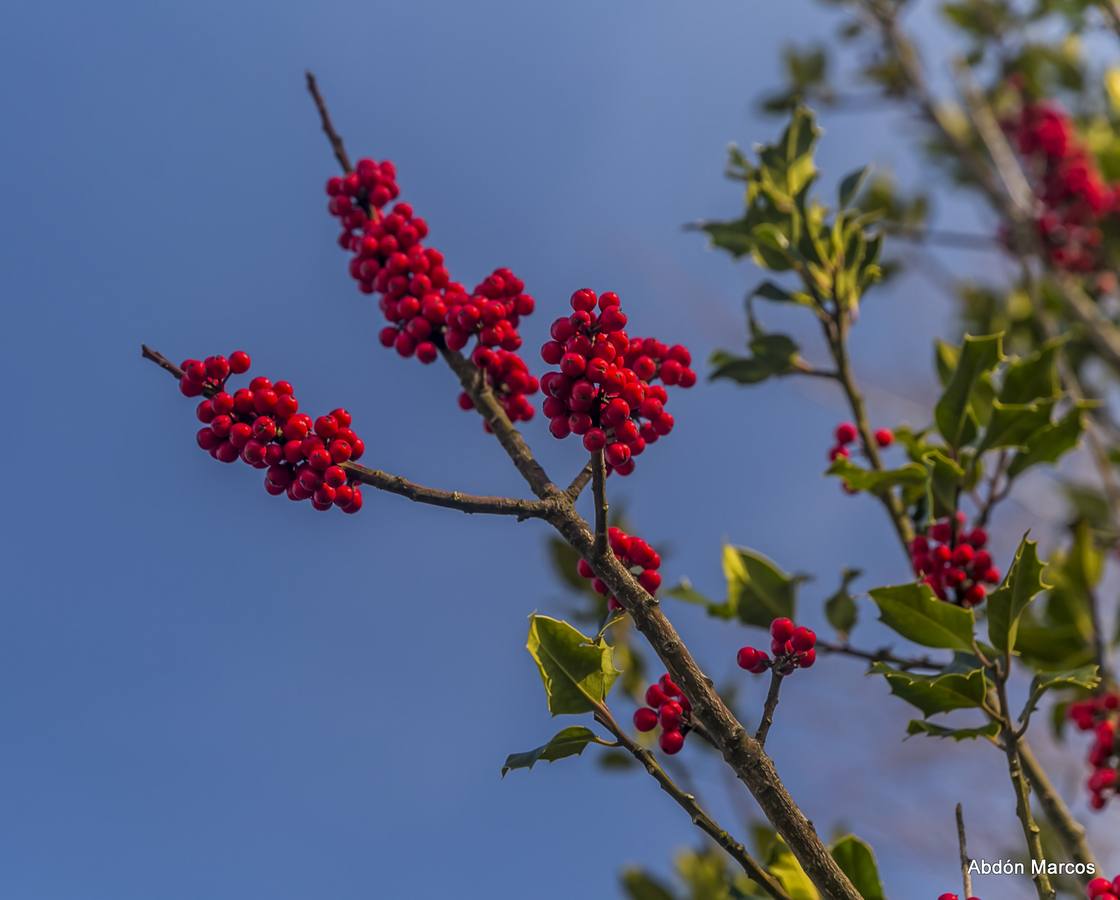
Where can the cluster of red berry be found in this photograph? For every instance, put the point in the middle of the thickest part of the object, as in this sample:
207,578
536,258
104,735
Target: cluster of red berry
793,648
1074,197
262,425
1103,889
952,560
954,897
634,553
425,309
846,434
669,708
1099,715
603,389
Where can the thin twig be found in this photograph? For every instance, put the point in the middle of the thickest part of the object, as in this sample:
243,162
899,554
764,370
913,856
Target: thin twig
966,862
769,707
884,654
686,801
582,479
333,136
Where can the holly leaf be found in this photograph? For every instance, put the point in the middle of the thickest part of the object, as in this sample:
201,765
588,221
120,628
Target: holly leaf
1020,586
953,414
921,726
773,355
1033,377
684,590
569,742
945,480
874,481
1086,677
935,693
1012,424
757,590
850,185
638,885
857,861
768,290
577,673
914,612
1049,443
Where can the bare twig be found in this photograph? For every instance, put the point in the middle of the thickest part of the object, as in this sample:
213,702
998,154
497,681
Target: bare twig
966,862
689,804
768,708
579,483
333,136
883,654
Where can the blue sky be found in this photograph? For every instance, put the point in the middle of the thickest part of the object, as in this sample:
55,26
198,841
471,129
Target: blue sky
213,693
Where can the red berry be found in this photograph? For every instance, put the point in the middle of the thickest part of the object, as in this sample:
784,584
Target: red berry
884,437
671,742
781,630
645,719
845,433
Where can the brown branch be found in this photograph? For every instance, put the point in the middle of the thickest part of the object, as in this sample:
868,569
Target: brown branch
884,654
333,136
686,801
467,503
579,483
966,862
599,491
160,360
768,708
1071,832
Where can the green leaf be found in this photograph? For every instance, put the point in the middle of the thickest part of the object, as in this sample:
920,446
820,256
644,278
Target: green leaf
921,726
684,590
1033,377
1013,424
945,357
857,861
757,590
773,355
953,414
877,481
945,480
768,290
1050,443
638,885
935,693
1086,677
914,612
850,186
577,673
1006,603
840,609
783,865
569,742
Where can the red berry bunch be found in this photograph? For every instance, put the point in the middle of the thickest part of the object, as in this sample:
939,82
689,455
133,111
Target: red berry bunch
1103,889
954,897
262,426
634,553
953,561
669,708
793,648
1074,197
603,391
1099,715
847,434
425,309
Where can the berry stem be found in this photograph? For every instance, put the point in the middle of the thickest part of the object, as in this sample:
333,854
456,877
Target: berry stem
883,654
686,801
966,875
769,707
579,483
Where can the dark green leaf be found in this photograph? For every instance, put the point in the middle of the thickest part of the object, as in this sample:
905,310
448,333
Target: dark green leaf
1006,603
1049,444
920,726
576,672
639,885
945,480
935,693
1086,677
953,414
914,612
569,742
850,186
945,356
1033,377
856,860
877,481
1013,424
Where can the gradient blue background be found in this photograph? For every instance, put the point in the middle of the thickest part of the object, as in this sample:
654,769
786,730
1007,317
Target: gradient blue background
211,693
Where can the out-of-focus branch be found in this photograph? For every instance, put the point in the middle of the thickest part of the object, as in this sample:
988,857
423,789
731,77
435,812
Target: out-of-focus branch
333,136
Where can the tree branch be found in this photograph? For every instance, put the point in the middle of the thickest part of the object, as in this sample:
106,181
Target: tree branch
333,136
579,483
884,654
768,708
689,804
1071,832
966,862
